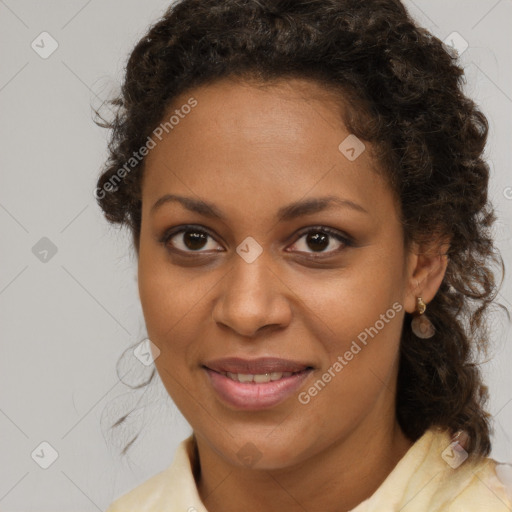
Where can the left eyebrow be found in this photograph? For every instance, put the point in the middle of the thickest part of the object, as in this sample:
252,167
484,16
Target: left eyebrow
315,205
286,213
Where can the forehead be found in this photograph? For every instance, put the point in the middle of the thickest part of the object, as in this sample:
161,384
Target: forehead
284,113
276,141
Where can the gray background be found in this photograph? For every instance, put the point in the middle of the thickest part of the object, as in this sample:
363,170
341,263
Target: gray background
65,321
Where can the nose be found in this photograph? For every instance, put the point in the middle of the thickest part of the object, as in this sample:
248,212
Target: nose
252,298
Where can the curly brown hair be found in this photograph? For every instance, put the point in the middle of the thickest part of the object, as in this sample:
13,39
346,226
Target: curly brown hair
406,94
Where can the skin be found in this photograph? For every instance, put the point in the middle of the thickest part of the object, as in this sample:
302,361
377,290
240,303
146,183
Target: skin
251,150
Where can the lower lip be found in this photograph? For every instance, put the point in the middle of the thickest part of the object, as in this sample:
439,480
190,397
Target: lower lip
254,396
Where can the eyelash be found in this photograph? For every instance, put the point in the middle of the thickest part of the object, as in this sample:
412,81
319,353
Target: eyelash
340,237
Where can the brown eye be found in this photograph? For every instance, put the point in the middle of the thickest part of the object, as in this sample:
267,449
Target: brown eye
317,241
190,240
321,241
194,240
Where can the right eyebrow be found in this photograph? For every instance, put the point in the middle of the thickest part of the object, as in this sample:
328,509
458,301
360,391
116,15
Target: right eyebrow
194,205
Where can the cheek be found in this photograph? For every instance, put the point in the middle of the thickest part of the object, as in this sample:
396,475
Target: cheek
351,300
163,294
176,303
170,303
360,329
361,342
358,317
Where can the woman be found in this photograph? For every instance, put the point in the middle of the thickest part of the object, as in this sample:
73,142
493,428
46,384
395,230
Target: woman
307,196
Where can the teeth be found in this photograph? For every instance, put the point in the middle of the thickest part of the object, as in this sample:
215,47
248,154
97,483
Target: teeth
258,378
266,377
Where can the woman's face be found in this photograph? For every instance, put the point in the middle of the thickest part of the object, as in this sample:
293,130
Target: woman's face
298,265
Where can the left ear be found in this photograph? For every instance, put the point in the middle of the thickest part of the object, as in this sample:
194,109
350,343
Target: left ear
425,273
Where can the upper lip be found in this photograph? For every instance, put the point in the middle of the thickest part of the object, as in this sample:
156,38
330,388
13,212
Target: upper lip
255,366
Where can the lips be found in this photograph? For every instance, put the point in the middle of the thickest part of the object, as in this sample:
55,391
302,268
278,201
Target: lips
255,384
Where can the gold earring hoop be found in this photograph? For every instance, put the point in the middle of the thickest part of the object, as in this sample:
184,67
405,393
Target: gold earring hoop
421,325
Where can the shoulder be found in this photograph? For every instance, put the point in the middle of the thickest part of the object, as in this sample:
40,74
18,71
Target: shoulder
173,489
141,497
466,482
437,475
480,485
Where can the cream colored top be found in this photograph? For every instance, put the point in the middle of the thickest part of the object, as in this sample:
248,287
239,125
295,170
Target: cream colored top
422,481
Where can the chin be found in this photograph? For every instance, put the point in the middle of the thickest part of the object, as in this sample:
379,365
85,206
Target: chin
260,451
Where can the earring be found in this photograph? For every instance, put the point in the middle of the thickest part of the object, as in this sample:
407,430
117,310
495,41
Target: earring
421,325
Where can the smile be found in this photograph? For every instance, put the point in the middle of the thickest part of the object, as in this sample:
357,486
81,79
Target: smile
258,378
255,391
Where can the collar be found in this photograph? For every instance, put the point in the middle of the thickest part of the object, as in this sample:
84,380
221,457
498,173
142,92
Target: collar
422,481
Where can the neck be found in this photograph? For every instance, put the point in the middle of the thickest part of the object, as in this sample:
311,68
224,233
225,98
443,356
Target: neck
337,479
